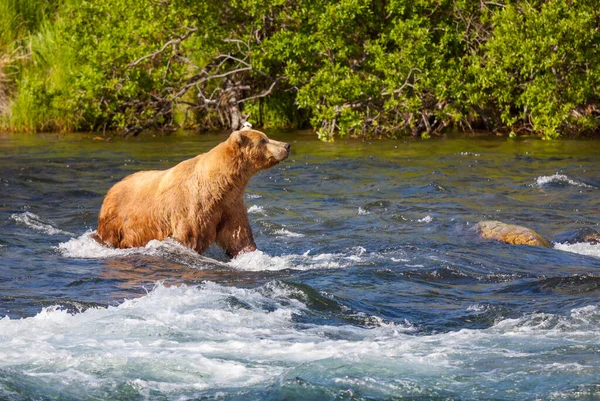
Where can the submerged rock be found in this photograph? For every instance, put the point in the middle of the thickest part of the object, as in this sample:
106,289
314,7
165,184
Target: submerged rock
578,235
510,234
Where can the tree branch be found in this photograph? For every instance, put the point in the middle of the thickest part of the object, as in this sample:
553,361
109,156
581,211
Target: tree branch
175,41
263,94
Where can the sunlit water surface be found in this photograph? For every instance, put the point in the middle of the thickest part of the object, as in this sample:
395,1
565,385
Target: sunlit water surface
369,283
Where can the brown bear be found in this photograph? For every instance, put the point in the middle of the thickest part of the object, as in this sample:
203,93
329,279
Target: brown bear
198,202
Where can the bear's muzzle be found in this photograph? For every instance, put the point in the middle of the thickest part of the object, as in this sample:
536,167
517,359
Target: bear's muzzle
279,150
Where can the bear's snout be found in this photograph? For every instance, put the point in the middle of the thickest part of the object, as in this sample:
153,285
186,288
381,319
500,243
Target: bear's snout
279,150
286,146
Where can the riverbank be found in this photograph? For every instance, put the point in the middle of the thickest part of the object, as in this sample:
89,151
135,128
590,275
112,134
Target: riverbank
366,69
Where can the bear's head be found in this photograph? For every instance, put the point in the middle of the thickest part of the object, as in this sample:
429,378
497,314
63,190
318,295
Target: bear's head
258,151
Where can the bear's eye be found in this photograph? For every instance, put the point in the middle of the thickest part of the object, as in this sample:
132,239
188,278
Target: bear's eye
263,141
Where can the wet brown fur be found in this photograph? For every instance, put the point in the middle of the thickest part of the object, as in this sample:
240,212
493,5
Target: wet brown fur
198,202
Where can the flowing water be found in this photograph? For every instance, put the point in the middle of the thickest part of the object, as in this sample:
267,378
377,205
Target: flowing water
369,283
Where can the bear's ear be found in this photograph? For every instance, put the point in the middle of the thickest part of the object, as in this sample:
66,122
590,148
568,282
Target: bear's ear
238,138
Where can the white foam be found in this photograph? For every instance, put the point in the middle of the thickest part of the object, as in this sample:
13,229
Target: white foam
254,209
481,308
179,340
581,325
426,219
363,212
171,339
287,233
260,261
175,339
583,248
559,179
85,247
36,223
478,308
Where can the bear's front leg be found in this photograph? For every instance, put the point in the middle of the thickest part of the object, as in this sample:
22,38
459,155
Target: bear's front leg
234,234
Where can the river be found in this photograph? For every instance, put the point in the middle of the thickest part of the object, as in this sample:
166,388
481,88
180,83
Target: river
369,283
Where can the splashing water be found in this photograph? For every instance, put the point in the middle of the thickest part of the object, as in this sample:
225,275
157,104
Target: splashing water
195,341
36,223
559,179
580,248
86,247
426,219
283,232
254,209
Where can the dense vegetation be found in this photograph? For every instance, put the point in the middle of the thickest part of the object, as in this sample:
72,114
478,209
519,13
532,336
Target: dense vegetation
364,68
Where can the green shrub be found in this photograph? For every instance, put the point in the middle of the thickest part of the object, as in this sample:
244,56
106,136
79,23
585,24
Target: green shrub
349,67
540,67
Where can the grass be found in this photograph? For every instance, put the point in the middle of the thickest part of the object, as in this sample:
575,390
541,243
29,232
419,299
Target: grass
21,17
32,55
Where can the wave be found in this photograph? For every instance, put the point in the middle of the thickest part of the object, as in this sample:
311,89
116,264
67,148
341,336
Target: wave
559,180
35,222
199,341
254,209
426,219
282,232
260,261
363,212
85,247
582,248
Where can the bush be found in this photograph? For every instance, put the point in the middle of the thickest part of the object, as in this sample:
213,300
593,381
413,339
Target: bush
540,68
349,67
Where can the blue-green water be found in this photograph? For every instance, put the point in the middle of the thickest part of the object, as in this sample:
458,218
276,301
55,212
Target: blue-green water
369,284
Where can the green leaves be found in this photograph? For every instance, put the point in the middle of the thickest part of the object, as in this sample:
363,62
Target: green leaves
351,67
536,66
